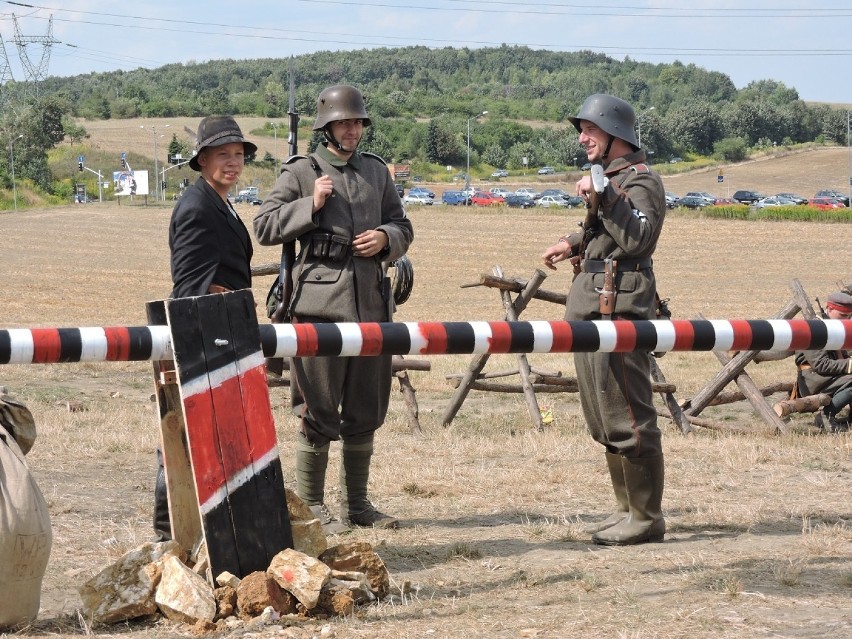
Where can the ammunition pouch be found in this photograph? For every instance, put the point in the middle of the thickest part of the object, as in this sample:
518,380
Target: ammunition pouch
327,246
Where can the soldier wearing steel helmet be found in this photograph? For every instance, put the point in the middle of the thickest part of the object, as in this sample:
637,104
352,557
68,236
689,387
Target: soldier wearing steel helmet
342,207
615,389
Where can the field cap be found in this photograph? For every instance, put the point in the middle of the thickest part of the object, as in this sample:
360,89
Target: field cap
840,301
216,130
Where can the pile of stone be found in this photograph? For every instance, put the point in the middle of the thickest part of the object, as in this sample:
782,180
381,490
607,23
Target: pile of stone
311,580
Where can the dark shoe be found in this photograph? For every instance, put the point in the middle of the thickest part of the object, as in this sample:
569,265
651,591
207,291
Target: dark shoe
330,524
372,518
836,425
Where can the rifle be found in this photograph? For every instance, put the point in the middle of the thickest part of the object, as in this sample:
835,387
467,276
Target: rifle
822,312
283,289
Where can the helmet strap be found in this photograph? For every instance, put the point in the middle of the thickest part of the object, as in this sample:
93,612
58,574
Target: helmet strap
608,147
326,131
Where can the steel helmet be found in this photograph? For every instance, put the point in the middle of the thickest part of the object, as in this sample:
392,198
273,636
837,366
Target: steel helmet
340,102
613,115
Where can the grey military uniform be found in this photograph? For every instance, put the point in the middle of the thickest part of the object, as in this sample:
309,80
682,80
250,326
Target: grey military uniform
619,412
334,395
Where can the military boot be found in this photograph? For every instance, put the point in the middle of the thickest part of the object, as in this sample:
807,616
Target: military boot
355,508
616,474
311,464
644,479
162,520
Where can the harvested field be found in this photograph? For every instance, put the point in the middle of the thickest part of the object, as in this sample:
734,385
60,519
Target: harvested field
760,526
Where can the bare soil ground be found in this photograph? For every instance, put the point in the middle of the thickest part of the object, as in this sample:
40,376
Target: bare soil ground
760,536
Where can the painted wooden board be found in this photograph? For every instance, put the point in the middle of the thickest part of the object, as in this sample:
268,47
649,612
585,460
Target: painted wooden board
230,430
183,503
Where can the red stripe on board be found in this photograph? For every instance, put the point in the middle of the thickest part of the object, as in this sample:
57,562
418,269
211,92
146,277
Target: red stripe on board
501,338
435,334
118,343
801,335
847,327
563,337
684,335
232,427
259,422
372,338
47,346
203,444
625,337
307,343
743,337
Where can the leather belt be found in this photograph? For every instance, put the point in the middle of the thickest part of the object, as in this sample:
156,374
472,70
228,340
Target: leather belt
598,266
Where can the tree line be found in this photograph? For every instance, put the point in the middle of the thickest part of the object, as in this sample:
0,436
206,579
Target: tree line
421,101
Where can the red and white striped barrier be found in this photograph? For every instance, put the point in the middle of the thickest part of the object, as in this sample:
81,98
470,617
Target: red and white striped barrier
50,345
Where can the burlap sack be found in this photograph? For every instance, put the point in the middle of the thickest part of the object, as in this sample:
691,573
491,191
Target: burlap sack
25,536
18,420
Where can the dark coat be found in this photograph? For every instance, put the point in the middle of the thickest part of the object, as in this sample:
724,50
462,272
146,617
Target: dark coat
209,245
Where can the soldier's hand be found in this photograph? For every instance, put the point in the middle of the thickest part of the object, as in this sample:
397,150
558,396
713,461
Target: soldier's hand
323,189
556,253
369,243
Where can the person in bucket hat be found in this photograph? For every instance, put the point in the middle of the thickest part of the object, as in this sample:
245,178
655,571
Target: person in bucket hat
210,246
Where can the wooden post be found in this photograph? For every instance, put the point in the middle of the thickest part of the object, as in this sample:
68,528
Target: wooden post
806,404
671,403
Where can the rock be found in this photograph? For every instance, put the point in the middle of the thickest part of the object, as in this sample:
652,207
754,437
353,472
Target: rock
182,595
259,590
125,590
299,574
308,536
358,588
226,602
359,556
228,579
336,600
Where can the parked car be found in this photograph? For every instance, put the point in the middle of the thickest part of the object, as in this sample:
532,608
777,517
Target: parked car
837,195
587,166
798,199
500,192
400,190
546,170
703,195
675,160
747,197
574,200
825,203
499,173
485,198
671,200
455,198
694,202
416,198
528,192
555,192
552,200
519,201
421,190
773,200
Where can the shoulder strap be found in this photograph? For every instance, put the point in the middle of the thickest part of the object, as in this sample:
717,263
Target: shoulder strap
373,155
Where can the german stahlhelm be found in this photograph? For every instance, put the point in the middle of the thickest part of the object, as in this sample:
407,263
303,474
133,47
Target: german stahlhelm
340,102
613,115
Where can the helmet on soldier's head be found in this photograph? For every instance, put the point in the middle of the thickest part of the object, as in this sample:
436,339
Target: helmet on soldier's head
613,115
340,102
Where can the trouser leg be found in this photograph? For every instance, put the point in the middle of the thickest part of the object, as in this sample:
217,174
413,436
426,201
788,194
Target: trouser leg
355,507
162,521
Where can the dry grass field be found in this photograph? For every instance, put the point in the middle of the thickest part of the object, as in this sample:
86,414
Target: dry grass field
760,525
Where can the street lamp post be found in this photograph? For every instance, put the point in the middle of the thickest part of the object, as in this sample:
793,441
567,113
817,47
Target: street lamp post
12,162
275,148
639,125
467,174
156,162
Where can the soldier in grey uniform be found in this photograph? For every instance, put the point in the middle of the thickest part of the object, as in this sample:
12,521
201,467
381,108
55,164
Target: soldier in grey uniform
343,208
829,372
615,389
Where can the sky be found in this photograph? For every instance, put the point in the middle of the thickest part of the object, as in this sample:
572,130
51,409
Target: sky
804,45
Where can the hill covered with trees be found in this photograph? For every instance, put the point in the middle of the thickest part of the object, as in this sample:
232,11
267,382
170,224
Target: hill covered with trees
421,100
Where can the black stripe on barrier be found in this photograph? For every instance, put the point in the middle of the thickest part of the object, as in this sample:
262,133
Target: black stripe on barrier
705,335
587,334
5,347
396,338
819,336
762,335
268,339
329,339
141,342
646,336
461,338
523,337
70,345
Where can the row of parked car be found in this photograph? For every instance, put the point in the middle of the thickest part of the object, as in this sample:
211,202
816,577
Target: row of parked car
825,199
522,198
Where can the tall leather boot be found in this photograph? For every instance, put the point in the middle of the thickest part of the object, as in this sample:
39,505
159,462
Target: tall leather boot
355,508
311,464
162,521
616,474
644,477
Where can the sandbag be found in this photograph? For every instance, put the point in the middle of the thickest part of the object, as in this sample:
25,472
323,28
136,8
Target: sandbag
25,536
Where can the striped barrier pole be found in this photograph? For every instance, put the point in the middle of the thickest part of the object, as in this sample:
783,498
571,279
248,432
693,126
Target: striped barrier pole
349,339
